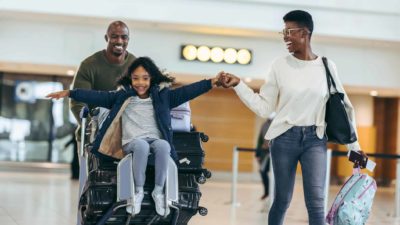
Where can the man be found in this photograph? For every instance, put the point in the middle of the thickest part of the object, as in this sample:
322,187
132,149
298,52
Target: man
100,70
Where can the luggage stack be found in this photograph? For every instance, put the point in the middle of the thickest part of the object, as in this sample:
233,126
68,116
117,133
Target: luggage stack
191,154
99,195
191,173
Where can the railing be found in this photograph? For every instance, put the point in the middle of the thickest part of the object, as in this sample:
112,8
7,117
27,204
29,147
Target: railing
330,154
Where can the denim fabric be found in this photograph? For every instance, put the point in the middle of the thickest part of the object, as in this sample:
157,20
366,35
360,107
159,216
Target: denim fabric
299,144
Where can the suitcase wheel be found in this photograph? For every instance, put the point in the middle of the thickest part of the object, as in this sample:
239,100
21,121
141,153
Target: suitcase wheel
201,179
204,138
207,174
203,211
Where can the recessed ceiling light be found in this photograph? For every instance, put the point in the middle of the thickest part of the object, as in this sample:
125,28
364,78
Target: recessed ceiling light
373,93
247,79
70,72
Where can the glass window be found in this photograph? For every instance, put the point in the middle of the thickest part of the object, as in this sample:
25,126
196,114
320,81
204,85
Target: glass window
33,128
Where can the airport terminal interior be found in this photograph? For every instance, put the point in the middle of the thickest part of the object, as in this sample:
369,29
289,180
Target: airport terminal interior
42,45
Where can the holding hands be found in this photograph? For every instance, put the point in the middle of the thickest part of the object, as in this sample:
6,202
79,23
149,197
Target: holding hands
58,94
225,80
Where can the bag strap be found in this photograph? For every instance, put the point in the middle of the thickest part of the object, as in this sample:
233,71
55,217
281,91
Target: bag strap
356,170
329,77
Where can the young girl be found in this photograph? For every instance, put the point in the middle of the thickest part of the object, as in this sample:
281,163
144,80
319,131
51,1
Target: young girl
143,105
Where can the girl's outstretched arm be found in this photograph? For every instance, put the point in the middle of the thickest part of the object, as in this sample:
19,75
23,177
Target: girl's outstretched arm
58,94
97,98
191,91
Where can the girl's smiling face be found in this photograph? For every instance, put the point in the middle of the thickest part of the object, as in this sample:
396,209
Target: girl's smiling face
140,81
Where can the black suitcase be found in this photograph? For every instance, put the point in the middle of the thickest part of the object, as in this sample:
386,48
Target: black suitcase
100,192
96,163
188,146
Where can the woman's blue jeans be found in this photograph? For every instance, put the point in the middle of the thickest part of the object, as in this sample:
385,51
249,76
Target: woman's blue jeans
299,144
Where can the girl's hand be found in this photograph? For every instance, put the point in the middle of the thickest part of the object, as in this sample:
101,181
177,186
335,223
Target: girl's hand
58,94
215,82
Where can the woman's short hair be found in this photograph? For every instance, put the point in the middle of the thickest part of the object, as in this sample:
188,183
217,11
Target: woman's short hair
302,18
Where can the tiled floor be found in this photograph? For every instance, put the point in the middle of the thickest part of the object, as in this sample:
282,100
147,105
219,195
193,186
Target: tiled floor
48,199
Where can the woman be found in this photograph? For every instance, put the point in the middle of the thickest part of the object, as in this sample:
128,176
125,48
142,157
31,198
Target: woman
296,89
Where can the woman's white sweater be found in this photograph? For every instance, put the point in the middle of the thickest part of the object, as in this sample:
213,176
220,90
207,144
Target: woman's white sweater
297,91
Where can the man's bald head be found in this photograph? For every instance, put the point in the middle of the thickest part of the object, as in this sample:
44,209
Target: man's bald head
117,39
115,24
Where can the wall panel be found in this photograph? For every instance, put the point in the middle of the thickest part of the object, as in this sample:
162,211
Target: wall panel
221,115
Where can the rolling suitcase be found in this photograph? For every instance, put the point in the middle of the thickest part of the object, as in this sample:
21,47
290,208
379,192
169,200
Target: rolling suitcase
100,194
180,118
189,148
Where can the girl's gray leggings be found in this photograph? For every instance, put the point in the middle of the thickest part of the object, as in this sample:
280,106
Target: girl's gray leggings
141,149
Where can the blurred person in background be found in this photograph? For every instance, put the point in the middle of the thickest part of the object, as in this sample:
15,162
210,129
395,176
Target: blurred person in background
263,157
75,158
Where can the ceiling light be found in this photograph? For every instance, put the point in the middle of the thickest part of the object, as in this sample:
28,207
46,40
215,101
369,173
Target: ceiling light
230,55
217,54
70,72
373,93
244,56
189,52
247,79
203,53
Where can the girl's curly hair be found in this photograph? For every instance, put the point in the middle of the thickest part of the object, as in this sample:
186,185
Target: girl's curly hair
156,76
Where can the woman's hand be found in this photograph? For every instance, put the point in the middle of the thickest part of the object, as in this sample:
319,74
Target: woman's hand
228,80
361,164
58,94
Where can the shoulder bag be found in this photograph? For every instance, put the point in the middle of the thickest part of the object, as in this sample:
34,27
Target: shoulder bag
339,128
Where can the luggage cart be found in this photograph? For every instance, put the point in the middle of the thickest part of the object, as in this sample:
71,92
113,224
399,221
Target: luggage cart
106,192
